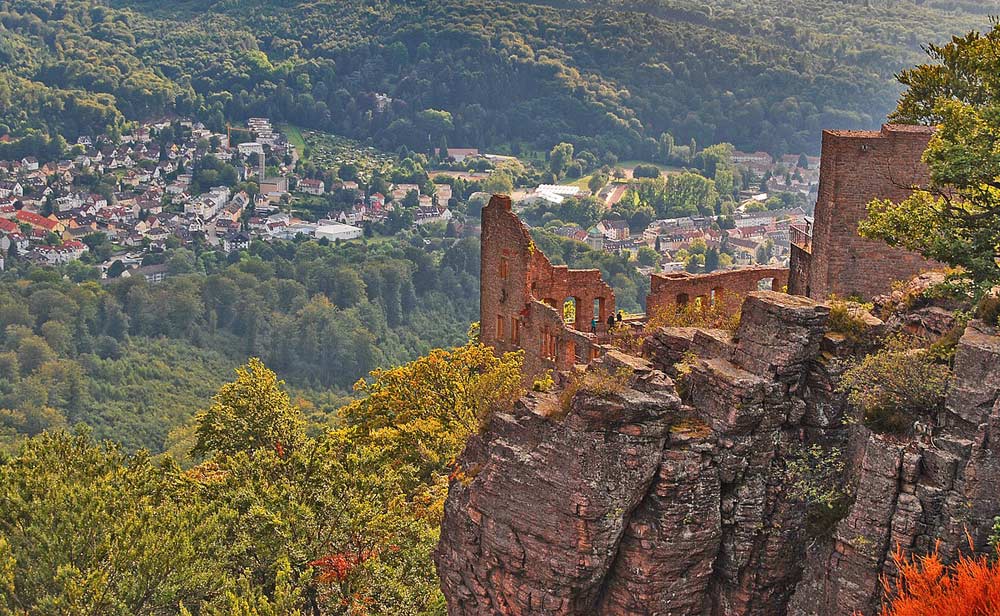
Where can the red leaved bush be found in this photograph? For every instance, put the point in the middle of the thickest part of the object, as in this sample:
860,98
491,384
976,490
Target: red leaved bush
927,587
336,567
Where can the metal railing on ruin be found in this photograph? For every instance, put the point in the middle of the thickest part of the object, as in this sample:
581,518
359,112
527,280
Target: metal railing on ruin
800,234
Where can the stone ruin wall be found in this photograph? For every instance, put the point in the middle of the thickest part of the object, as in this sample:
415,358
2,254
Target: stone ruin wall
522,296
522,293
725,289
857,167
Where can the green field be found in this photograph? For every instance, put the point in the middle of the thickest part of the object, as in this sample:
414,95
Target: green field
295,137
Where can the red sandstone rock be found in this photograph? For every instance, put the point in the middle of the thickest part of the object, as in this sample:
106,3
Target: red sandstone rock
635,503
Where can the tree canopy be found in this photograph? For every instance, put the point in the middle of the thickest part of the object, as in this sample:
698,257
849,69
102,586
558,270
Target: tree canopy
956,218
275,522
607,77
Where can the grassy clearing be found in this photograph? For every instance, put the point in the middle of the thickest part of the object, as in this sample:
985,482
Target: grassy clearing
295,138
631,164
580,182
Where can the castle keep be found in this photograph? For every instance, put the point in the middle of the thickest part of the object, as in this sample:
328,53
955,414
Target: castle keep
858,167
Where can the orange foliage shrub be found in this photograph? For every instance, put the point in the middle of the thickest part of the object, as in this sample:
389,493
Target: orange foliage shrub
927,587
337,567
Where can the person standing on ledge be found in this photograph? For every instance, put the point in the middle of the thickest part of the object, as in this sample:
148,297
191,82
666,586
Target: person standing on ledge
593,325
611,322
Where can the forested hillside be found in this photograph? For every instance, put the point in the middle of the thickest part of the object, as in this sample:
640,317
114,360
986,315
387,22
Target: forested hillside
275,520
609,77
134,361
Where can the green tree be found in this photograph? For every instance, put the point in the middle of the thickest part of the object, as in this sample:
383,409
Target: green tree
559,158
647,256
116,268
646,171
725,183
712,259
764,252
182,261
32,352
91,530
666,147
956,218
250,414
596,182
690,194
499,182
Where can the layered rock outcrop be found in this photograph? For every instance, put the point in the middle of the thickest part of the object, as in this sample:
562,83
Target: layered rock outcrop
662,494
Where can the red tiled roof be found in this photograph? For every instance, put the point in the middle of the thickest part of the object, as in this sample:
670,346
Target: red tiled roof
36,220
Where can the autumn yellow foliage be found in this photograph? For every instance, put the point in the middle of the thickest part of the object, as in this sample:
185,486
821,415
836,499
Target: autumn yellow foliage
422,412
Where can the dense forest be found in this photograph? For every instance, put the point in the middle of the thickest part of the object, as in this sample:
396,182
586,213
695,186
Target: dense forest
275,519
609,77
134,360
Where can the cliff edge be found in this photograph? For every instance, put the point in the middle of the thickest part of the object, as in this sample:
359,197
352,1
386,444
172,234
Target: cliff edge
671,484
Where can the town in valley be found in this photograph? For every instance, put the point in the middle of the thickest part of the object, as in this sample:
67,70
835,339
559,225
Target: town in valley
119,206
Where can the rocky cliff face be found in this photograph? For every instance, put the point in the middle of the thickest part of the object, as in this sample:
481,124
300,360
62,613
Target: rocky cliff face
642,499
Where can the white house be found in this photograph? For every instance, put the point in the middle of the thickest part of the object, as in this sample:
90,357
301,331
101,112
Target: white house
69,251
11,189
312,187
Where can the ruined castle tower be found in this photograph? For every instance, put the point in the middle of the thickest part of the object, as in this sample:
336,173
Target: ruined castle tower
522,296
857,167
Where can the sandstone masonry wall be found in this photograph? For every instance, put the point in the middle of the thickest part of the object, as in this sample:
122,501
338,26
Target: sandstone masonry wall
522,296
857,167
726,289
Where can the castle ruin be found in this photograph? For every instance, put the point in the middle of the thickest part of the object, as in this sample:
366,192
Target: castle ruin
724,289
522,295
857,167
